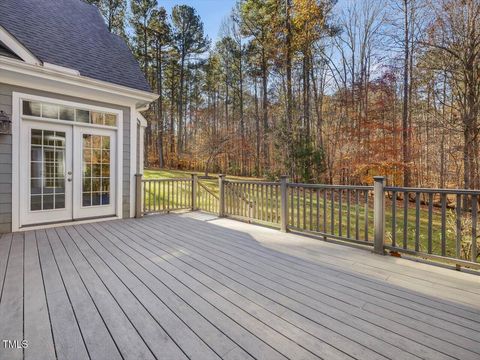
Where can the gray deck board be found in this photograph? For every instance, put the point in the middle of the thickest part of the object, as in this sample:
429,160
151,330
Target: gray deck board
109,300
178,331
228,307
68,338
36,324
245,339
257,311
313,310
11,305
198,287
413,305
97,338
166,301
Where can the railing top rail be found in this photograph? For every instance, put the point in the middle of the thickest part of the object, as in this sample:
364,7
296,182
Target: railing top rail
251,182
167,179
325,186
432,191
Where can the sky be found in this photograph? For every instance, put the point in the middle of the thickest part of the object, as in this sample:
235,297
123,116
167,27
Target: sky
212,12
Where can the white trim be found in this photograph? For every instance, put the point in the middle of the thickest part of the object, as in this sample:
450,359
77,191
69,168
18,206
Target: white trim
141,147
16,143
67,122
15,161
15,46
67,223
138,133
133,158
59,68
142,120
18,73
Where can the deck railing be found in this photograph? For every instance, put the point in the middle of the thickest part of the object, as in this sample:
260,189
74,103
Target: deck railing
205,198
434,222
253,201
338,212
430,223
164,195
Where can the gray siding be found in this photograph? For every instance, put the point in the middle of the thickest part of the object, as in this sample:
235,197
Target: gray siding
5,165
6,151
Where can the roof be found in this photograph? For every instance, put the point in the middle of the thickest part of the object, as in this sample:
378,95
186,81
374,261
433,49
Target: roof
72,34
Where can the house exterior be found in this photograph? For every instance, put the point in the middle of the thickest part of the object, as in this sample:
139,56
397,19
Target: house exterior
73,92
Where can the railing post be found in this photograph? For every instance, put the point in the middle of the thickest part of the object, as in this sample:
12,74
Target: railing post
284,203
221,197
379,214
194,192
138,196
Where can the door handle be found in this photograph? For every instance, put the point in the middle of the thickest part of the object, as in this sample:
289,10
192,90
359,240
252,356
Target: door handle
69,173
69,179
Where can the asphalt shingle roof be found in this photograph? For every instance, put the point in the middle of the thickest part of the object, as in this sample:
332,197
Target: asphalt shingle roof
73,34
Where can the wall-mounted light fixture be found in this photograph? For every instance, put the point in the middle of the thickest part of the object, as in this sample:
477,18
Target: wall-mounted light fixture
5,123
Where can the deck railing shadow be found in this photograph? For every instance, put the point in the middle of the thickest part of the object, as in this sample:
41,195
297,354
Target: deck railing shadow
439,225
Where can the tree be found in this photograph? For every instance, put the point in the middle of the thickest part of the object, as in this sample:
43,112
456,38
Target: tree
257,18
453,38
189,40
141,14
162,38
113,11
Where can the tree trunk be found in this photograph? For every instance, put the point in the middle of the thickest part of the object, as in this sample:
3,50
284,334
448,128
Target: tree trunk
289,67
257,131
180,105
265,109
405,129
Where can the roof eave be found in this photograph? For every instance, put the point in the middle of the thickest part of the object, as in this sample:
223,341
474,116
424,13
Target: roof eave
20,73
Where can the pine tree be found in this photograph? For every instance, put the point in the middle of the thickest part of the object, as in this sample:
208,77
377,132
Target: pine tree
189,40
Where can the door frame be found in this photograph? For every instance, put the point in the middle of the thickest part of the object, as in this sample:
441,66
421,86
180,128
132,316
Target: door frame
17,121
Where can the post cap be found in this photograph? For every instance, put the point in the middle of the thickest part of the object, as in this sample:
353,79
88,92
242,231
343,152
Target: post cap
379,178
221,175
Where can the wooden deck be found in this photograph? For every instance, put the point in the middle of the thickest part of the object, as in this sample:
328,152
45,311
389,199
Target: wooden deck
194,286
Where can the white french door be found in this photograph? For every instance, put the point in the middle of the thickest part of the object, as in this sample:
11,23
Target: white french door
46,173
67,172
95,168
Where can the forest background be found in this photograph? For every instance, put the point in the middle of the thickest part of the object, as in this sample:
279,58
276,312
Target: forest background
322,91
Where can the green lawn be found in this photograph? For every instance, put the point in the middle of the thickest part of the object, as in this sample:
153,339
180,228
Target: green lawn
264,208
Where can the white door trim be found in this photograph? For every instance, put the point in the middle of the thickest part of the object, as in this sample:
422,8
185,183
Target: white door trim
17,98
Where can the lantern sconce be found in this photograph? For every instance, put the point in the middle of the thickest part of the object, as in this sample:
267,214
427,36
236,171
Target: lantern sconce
5,123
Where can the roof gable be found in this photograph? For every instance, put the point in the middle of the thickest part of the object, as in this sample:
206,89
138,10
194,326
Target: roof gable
72,34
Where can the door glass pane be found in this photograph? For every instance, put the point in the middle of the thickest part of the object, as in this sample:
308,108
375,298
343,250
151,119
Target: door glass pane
47,170
96,170
67,113
83,116
31,108
97,118
50,111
